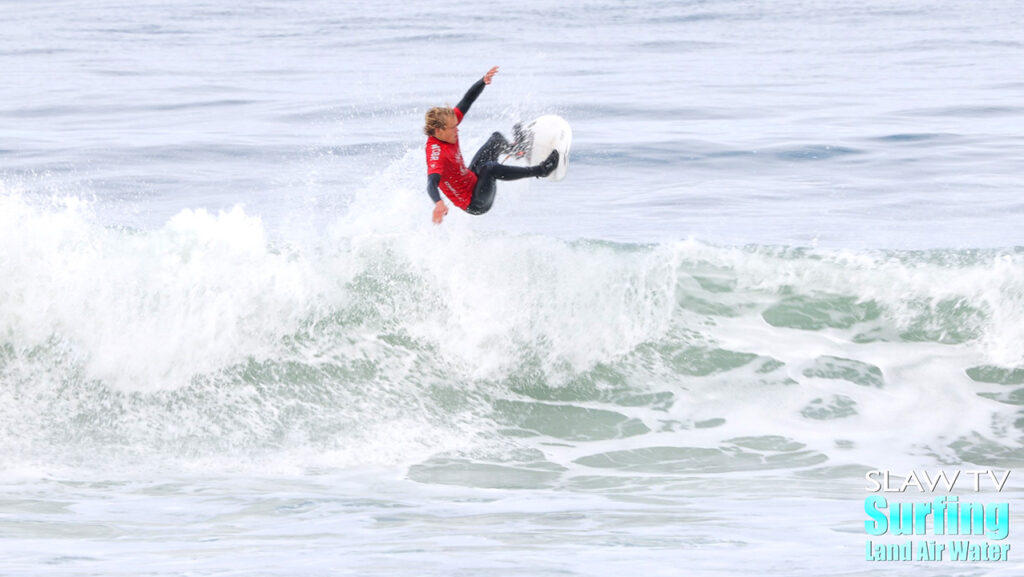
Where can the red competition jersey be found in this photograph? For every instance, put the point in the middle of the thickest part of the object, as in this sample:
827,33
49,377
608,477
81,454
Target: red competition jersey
445,159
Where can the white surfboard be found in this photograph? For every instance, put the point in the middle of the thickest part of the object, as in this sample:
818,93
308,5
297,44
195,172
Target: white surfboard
547,133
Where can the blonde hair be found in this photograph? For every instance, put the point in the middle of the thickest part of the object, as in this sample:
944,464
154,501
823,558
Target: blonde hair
436,119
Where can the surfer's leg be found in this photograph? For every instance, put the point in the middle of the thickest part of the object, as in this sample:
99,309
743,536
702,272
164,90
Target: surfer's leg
487,186
483,194
490,172
505,172
489,152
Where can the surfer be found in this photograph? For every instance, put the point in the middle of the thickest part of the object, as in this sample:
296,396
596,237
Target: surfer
472,189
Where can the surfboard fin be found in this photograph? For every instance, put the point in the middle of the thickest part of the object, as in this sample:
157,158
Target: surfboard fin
522,142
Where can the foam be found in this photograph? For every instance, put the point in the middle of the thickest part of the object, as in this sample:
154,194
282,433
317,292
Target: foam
148,310
395,340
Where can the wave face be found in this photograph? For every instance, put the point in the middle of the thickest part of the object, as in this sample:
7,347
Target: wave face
494,360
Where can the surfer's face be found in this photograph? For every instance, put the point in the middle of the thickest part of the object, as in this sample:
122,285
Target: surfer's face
450,132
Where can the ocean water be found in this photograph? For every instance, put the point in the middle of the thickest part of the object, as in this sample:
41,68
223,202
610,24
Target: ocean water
789,252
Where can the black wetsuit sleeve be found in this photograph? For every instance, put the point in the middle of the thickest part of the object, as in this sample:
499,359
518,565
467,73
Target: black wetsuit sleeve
471,96
433,181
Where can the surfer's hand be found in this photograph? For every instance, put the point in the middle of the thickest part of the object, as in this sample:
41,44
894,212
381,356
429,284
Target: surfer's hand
440,210
490,74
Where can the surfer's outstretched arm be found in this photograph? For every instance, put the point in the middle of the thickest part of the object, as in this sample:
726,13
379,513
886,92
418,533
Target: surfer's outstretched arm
475,91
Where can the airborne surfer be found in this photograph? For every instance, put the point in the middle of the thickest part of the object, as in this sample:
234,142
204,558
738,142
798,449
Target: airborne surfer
472,189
